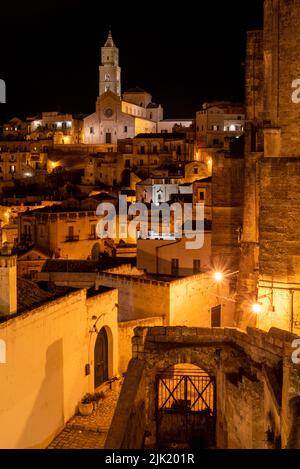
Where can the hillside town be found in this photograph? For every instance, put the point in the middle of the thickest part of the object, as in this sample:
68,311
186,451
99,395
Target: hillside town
150,266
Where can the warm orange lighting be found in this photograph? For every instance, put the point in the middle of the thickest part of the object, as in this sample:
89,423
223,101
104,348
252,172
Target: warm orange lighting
257,308
218,276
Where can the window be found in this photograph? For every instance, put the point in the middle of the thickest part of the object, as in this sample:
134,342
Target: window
202,196
216,316
175,267
239,118
150,115
141,162
125,128
215,141
70,231
196,266
127,163
91,130
215,128
108,138
195,170
93,231
33,274
12,169
155,162
142,150
155,149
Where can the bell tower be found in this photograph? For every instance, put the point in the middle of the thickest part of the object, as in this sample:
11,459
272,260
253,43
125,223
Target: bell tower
110,72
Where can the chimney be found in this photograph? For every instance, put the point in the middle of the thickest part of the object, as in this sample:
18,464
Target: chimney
8,282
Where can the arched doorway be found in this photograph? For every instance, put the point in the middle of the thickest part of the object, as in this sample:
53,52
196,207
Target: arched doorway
186,407
95,253
101,358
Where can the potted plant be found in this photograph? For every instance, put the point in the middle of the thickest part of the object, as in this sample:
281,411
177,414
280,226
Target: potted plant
98,396
85,406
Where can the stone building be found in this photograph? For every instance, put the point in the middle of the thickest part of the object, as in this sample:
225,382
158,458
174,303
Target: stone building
208,388
116,117
171,258
270,246
22,159
64,129
69,341
31,261
168,125
54,334
144,155
217,121
65,232
15,127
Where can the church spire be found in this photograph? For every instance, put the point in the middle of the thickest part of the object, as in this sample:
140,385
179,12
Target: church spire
109,40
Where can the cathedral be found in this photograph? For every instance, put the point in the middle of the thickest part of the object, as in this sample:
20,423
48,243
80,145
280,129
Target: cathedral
118,117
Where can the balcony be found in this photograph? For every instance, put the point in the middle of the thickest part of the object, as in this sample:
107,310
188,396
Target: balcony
72,239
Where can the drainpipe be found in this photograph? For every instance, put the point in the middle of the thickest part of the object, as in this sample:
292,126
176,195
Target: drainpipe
292,310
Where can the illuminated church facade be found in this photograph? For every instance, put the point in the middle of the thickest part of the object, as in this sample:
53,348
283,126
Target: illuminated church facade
119,117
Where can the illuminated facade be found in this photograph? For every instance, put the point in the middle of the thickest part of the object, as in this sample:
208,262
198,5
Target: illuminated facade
116,118
270,247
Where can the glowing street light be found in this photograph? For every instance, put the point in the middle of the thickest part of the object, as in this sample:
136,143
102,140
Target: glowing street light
218,276
257,308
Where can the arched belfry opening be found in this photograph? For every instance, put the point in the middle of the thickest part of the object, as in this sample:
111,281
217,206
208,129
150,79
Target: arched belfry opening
186,407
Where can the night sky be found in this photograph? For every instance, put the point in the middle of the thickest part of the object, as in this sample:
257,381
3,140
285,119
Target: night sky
50,52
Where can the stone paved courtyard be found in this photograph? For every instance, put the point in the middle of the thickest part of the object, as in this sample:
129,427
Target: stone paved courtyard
89,432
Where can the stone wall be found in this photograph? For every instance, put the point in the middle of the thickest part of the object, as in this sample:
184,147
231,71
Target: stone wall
247,397
38,391
182,301
139,298
227,211
279,225
126,332
281,52
192,300
45,374
127,429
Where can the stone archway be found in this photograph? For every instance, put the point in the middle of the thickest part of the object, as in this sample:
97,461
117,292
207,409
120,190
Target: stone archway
204,359
95,252
186,407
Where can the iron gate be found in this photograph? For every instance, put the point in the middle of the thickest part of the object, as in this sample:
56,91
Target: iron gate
186,409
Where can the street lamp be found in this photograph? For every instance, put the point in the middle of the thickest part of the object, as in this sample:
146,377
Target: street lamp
257,308
218,276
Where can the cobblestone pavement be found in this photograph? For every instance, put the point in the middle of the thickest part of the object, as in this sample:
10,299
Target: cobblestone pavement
89,432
